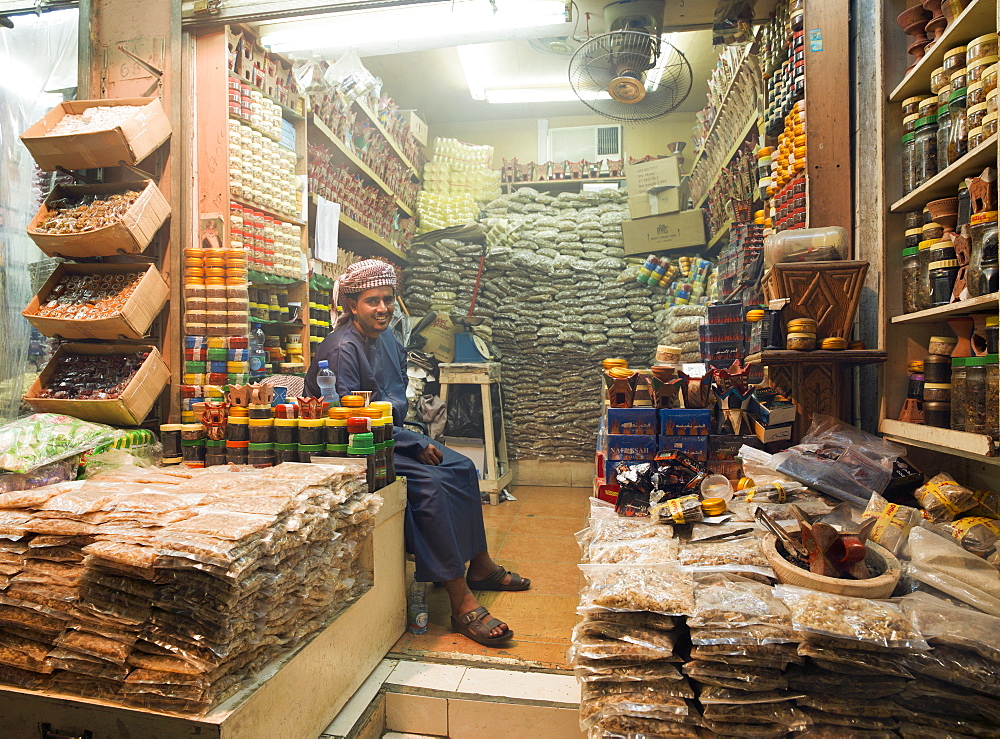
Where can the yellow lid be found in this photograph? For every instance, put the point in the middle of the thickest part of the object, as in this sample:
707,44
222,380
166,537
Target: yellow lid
926,244
311,423
285,422
980,39
914,231
262,421
713,506
990,321
384,405
833,343
915,100
954,50
976,108
943,340
913,116
983,61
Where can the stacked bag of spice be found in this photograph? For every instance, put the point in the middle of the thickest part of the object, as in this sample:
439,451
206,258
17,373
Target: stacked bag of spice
625,650
167,590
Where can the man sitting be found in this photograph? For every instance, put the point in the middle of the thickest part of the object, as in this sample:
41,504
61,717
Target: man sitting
444,516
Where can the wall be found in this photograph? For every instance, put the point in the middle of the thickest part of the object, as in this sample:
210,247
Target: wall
519,137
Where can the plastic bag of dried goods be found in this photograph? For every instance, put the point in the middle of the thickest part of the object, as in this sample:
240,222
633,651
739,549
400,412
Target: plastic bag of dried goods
944,499
842,617
892,522
660,588
943,564
42,438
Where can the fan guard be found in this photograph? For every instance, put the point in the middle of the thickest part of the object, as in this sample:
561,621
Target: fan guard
630,76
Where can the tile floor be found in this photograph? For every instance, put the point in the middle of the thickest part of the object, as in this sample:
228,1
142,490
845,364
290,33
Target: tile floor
534,537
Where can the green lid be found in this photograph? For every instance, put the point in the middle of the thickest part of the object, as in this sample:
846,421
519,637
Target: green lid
312,448
217,354
908,137
943,110
959,93
286,447
342,448
390,444
975,361
992,358
215,442
910,251
929,120
257,447
194,367
958,362
361,444
192,442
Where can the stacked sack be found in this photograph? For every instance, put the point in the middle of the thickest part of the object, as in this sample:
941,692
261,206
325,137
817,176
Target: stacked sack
677,325
685,635
167,590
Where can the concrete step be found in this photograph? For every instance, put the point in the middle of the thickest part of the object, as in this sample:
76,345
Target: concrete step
459,702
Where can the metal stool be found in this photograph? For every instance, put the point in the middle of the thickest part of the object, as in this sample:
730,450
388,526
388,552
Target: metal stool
496,473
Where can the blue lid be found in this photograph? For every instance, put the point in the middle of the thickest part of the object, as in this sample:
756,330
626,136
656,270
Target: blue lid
323,364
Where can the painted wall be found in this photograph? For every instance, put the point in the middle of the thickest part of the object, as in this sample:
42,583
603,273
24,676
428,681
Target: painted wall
519,137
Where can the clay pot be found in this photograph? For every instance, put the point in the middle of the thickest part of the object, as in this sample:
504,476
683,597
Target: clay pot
916,49
943,208
934,7
935,27
910,16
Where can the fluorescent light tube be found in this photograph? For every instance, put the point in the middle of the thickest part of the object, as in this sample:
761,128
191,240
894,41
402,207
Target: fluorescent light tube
541,95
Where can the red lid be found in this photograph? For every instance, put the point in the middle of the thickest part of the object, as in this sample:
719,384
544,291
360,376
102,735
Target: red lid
359,425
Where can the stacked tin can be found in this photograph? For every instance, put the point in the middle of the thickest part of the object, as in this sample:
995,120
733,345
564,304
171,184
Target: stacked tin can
273,246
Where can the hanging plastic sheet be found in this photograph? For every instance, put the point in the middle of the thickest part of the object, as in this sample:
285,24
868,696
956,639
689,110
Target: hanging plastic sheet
39,58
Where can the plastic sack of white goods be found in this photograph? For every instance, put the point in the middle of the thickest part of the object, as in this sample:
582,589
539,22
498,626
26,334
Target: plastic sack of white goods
43,438
942,563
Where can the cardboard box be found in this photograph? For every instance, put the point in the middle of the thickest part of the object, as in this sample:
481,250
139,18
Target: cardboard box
631,447
695,447
657,203
607,493
418,128
769,434
770,408
131,322
131,141
685,422
631,421
128,409
658,174
664,232
130,235
440,335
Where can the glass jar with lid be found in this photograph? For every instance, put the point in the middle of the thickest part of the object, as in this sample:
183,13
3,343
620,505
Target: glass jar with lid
925,149
977,136
923,275
977,69
914,219
909,153
980,47
983,273
990,124
993,395
911,273
974,115
959,134
928,106
958,376
989,80
964,206
943,249
975,93
958,79
954,58
912,104
975,395
992,334
912,239
943,133
942,278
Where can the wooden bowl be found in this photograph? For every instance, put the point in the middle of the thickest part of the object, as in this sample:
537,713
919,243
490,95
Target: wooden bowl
942,207
879,560
911,15
948,220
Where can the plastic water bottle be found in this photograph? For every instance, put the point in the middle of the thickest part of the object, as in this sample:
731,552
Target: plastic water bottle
327,382
258,356
418,607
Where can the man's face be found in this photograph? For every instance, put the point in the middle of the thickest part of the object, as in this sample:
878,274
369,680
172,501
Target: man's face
374,309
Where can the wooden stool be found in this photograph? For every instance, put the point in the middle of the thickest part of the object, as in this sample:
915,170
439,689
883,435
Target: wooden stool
496,470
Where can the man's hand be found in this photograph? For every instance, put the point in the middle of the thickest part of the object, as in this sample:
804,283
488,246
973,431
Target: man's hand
430,455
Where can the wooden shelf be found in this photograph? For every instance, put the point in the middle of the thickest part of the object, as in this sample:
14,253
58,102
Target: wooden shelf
750,48
946,441
945,183
559,183
789,356
721,234
266,211
373,117
751,124
357,237
346,156
944,312
980,15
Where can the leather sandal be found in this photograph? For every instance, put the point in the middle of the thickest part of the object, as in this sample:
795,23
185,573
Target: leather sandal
473,626
495,582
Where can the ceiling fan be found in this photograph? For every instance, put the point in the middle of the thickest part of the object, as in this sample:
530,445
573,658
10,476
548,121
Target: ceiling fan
631,73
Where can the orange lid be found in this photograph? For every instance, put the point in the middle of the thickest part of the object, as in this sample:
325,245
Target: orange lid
235,281
215,272
239,411
215,280
353,401
341,414
194,272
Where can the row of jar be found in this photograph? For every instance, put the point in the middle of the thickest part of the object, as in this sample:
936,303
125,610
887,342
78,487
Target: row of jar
960,393
940,129
262,171
253,108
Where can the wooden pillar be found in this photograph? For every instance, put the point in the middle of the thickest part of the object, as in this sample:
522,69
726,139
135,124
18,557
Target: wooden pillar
151,31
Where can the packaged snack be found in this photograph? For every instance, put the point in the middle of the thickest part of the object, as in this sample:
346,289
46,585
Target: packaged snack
943,498
892,522
660,588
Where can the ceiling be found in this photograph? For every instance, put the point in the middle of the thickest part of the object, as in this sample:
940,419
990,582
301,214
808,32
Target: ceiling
431,79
